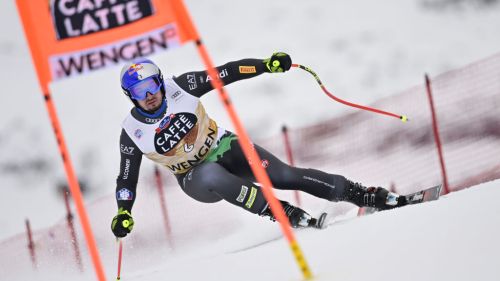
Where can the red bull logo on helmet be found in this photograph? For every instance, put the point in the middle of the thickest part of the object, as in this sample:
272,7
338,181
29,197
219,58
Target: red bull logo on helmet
134,68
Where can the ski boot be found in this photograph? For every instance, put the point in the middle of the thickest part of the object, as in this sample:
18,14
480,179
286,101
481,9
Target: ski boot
376,197
298,218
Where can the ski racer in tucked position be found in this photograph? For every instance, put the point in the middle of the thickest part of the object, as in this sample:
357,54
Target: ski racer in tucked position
169,125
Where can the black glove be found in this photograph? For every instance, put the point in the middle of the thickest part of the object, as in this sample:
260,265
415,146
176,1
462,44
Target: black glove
122,223
278,62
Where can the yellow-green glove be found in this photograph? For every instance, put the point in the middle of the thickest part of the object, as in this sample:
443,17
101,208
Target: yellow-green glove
278,62
122,223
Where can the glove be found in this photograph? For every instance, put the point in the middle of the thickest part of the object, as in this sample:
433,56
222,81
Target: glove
279,62
122,223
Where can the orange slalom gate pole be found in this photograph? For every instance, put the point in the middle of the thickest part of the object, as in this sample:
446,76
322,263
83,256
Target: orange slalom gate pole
258,170
74,188
73,184
252,157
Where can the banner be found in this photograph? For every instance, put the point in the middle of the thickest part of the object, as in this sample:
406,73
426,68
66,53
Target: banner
72,37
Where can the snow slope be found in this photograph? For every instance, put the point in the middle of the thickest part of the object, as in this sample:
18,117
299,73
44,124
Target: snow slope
454,238
446,240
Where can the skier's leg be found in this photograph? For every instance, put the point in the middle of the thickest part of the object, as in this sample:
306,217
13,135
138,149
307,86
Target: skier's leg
320,184
210,182
315,182
328,186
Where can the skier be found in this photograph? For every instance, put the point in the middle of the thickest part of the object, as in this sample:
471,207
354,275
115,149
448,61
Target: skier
168,124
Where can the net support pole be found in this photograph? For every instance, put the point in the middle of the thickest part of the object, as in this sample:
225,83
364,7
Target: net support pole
74,187
437,137
31,244
71,227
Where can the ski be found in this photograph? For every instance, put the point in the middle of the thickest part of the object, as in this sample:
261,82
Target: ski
319,222
322,221
429,194
425,195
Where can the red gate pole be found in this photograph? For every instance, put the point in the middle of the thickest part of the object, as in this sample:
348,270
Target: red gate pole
71,226
289,155
31,245
436,135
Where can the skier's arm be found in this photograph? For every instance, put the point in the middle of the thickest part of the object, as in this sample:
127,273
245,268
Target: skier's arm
198,83
126,182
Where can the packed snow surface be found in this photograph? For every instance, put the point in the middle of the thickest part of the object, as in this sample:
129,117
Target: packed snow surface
454,238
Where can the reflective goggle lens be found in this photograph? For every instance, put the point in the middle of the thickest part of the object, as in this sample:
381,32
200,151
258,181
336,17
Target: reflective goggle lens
139,91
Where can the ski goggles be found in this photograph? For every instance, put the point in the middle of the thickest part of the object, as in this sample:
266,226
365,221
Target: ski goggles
140,90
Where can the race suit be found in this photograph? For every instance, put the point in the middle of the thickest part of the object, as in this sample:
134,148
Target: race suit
207,160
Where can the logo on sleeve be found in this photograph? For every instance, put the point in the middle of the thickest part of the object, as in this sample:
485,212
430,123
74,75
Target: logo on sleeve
124,195
127,169
247,69
223,73
172,130
129,150
191,78
138,133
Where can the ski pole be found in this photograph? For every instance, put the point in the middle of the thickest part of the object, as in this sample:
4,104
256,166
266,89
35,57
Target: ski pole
120,250
403,118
